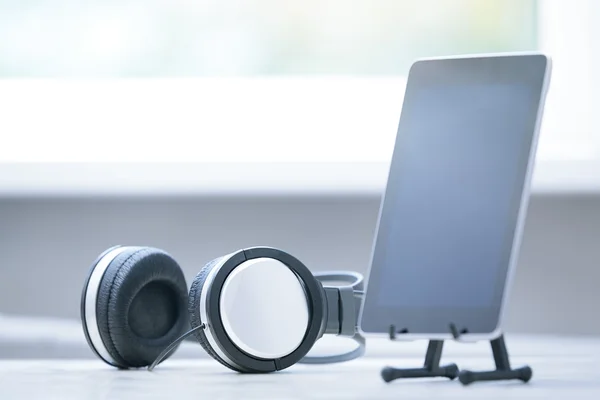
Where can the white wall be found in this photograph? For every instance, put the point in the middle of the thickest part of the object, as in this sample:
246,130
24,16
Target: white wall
46,246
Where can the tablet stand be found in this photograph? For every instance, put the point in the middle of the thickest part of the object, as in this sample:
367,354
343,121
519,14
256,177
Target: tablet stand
431,367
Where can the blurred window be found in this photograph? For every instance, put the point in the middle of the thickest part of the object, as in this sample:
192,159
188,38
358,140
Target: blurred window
149,38
264,80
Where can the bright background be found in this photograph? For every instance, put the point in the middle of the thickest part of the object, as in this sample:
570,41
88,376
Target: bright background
255,81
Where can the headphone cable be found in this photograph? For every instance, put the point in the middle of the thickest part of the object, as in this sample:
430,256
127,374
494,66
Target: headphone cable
173,346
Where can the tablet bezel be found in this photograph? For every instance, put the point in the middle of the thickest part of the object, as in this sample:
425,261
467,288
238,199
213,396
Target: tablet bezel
482,323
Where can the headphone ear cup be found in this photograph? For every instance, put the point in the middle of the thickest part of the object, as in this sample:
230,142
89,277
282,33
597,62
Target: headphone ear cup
194,311
141,306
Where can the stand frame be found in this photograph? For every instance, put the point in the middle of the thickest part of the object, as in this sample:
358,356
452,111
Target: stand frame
431,368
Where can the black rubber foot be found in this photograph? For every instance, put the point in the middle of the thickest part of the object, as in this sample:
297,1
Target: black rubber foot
523,374
389,374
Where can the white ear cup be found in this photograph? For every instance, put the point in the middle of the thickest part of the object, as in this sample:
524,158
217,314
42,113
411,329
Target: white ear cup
264,308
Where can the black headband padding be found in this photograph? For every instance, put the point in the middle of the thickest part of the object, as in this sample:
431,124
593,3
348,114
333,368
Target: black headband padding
141,306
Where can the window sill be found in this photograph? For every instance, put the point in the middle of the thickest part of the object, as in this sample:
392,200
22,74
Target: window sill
245,179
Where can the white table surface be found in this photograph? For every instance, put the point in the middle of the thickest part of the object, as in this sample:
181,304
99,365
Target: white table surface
563,368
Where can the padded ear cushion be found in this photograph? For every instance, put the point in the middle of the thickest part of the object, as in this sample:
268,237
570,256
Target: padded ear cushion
194,311
141,306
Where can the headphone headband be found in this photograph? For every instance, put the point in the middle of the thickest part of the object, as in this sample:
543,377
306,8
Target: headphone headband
353,279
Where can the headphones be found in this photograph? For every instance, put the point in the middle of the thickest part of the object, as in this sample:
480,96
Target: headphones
254,310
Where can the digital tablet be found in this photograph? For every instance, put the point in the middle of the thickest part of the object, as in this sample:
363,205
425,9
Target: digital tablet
452,214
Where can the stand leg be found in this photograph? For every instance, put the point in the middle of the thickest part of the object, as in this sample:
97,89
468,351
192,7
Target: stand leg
431,367
503,370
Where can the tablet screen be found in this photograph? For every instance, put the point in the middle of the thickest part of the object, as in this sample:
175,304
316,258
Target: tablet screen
451,211
450,217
